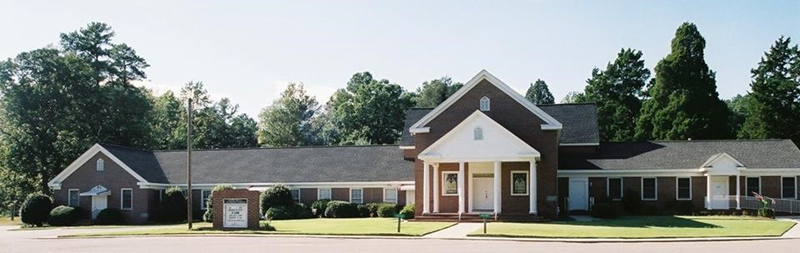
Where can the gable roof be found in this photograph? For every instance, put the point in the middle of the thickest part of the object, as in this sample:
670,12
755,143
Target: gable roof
412,116
55,183
753,154
550,122
579,122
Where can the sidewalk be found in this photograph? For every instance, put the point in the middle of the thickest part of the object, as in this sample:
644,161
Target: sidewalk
459,231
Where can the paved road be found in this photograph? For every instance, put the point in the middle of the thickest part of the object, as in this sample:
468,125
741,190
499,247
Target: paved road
42,241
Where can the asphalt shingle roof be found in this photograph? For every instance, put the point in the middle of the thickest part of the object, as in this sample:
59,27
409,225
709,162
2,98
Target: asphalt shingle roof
271,165
413,115
754,154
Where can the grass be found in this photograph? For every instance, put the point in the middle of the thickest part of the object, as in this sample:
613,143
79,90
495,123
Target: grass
355,226
644,227
5,220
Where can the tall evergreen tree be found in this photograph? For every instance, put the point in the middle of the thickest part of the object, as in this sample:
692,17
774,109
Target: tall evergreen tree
287,122
574,97
738,107
538,93
684,101
616,91
434,92
774,104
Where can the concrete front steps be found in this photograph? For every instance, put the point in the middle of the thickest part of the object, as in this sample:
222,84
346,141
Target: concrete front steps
474,217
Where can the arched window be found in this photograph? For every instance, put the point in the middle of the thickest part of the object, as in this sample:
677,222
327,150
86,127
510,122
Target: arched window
484,104
478,134
101,165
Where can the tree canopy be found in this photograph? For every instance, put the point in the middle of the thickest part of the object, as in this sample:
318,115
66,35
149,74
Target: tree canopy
434,92
288,121
538,93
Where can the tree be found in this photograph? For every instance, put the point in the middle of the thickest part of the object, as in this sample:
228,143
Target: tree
369,111
616,91
538,93
774,104
288,121
684,102
434,92
738,107
573,97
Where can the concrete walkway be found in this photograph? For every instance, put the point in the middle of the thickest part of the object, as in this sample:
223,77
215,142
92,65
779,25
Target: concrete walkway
458,231
794,232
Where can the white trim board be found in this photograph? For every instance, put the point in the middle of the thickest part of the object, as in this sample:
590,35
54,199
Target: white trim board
550,122
55,183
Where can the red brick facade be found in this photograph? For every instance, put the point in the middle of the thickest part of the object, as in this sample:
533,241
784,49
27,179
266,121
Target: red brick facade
252,206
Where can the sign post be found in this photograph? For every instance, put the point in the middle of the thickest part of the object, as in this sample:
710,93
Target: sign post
484,216
400,217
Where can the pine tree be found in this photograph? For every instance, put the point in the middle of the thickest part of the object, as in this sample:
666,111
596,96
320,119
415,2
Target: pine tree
538,93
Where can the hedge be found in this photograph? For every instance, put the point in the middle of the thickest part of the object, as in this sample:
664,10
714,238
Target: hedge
319,207
341,209
36,209
173,205
296,211
64,216
408,211
278,196
109,216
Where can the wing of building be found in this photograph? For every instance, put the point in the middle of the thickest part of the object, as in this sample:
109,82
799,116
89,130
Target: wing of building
486,149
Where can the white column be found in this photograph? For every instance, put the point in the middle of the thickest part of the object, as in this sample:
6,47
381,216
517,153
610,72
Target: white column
708,192
436,187
426,189
532,191
461,187
738,194
497,187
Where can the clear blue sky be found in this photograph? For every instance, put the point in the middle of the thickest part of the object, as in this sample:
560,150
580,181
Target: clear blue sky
249,50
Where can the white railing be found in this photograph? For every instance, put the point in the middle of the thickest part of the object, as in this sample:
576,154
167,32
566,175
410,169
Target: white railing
751,203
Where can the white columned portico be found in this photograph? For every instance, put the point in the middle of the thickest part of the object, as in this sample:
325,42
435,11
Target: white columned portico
426,189
708,192
436,184
497,187
532,191
738,193
461,187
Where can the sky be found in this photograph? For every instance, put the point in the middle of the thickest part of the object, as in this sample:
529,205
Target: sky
249,51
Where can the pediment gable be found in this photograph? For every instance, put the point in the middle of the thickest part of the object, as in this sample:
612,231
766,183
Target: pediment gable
723,164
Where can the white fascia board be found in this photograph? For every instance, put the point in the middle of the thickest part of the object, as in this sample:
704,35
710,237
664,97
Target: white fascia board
579,144
550,122
629,173
407,147
75,165
419,130
292,184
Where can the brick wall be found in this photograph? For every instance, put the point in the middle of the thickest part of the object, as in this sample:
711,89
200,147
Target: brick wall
252,206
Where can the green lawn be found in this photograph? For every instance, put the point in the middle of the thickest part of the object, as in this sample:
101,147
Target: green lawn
355,226
644,227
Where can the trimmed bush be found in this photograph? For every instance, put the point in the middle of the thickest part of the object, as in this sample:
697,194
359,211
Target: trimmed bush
208,216
320,205
364,210
278,213
278,196
408,211
109,216
301,211
341,209
632,201
679,207
604,211
387,210
36,209
173,205
64,216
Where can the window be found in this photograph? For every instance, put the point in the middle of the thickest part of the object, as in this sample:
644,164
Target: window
101,165
127,199
649,188
324,193
74,198
478,134
356,196
485,104
295,195
753,185
789,187
390,195
450,183
519,183
684,188
615,188
204,199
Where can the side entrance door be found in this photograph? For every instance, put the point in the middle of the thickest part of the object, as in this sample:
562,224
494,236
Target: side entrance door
579,194
99,202
483,192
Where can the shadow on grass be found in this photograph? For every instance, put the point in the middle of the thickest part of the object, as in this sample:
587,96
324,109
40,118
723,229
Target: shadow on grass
643,222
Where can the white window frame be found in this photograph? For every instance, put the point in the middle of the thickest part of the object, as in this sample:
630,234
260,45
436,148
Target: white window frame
204,199
396,195
319,193
122,199
477,134
488,102
677,188
100,165
621,188
444,183
362,195
69,197
655,184
747,185
298,195
795,187
527,182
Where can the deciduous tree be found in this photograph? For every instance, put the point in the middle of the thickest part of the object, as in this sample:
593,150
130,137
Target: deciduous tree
538,93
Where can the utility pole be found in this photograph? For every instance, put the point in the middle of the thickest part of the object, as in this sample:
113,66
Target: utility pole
189,165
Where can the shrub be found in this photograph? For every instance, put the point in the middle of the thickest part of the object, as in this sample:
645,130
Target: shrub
208,216
387,210
319,206
278,196
173,205
36,209
364,210
604,211
632,201
408,211
302,211
278,213
64,216
766,212
109,216
341,209
679,207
